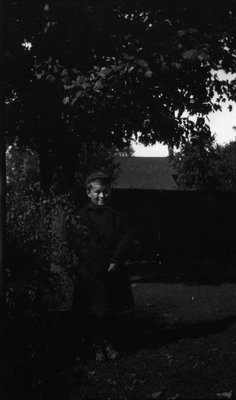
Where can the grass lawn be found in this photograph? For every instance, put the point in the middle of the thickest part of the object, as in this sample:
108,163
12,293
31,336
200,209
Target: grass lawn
178,342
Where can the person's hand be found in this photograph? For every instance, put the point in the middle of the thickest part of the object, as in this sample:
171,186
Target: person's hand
112,267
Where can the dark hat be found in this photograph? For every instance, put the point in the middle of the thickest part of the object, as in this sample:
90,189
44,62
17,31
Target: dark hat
98,175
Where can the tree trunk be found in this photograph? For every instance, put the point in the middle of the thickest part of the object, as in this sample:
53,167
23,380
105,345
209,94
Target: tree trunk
2,207
46,166
57,162
2,159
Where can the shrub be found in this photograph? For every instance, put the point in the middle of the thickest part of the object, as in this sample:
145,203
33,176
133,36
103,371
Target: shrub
41,259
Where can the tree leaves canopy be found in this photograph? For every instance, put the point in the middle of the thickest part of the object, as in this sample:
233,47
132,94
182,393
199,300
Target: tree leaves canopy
202,165
106,70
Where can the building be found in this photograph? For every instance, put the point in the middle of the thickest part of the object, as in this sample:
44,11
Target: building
146,173
177,224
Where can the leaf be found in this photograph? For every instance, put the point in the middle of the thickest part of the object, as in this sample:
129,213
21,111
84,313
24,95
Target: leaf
190,54
111,382
104,72
39,76
177,65
85,85
156,395
193,30
203,55
127,57
51,79
80,93
97,86
142,63
46,8
66,100
225,395
148,73
183,32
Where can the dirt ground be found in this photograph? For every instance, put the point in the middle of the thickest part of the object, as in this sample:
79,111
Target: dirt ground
178,343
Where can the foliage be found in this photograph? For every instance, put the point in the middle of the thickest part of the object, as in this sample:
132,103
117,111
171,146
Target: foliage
201,164
225,166
96,156
127,151
79,72
194,161
40,268
22,165
41,257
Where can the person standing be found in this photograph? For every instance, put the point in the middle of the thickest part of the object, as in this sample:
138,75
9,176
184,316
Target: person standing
102,286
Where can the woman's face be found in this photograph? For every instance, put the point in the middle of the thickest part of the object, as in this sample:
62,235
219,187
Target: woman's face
99,193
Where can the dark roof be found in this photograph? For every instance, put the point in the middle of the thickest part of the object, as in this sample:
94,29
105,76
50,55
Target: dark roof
145,173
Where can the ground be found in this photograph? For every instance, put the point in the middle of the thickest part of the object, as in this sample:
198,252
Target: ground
179,342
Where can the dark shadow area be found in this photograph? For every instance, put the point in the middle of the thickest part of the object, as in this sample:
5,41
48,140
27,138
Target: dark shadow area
37,351
39,348
182,225
189,272
39,358
142,332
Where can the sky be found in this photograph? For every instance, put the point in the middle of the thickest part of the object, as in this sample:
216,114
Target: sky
221,123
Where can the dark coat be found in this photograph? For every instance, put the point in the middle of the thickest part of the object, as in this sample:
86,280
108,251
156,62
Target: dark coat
106,241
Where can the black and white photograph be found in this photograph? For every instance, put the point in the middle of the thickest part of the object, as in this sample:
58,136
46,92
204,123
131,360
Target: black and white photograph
117,199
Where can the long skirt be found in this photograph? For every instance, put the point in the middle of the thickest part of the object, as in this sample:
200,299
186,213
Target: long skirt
98,299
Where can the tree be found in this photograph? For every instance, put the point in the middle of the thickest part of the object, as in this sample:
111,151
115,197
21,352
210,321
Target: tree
201,164
103,71
195,161
225,167
2,159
